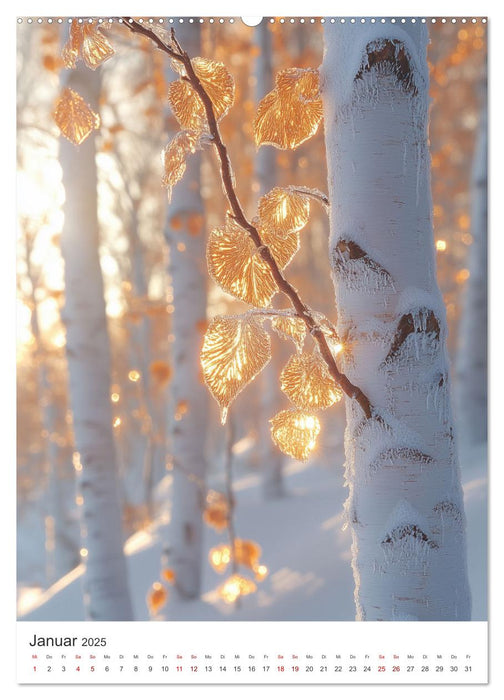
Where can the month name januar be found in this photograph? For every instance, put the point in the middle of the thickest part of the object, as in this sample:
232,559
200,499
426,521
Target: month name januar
52,641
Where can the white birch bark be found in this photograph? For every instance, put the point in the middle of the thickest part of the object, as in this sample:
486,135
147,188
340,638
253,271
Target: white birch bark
473,347
106,585
265,172
187,269
405,505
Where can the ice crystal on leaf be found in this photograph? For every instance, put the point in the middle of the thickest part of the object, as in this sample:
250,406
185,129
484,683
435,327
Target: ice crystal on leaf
185,102
87,42
74,118
284,211
306,381
295,433
290,327
291,113
235,350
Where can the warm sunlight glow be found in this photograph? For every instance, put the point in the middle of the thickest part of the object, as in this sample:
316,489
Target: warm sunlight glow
134,375
441,245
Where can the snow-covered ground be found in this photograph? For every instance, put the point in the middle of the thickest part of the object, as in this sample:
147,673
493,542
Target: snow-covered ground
304,547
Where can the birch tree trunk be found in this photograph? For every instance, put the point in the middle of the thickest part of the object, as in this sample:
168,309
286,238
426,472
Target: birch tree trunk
405,504
265,167
106,586
184,233
473,347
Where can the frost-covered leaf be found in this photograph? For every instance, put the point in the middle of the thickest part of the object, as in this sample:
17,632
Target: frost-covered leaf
282,249
306,381
156,597
291,113
235,350
186,106
74,118
174,157
234,587
291,327
247,553
185,102
234,263
284,211
295,432
87,41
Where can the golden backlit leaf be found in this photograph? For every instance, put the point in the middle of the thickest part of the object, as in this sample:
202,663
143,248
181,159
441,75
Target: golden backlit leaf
186,106
220,557
247,553
282,249
306,381
86,41
235,350
216,513
185,102
234,587
291,113
74,118
95,48
236,266
174,157
218,83
156,597
291,327
284,211
295,433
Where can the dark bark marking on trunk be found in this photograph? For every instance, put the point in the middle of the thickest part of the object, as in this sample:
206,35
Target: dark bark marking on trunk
346,251
403,532
421,321
389,57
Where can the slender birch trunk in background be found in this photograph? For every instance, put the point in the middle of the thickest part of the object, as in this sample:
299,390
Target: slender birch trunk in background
472,352
185,235
265,173
106,586
405,505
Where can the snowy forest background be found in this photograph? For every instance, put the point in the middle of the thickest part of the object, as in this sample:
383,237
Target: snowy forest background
288,514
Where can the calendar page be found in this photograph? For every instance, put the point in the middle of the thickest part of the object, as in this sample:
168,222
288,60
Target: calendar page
251,349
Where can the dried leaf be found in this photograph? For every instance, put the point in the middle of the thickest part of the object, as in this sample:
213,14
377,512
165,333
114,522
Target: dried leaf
295,432
89,43
291,327
234,587
247,553
156,597
291,113
284,211
235,264
306,381
220,557
235,350
74,118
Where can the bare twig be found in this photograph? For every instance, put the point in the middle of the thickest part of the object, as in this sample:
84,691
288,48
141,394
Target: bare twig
283,284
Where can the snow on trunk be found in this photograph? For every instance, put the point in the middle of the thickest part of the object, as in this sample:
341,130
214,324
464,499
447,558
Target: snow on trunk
405,504
185,235
106,585
265,173
472,352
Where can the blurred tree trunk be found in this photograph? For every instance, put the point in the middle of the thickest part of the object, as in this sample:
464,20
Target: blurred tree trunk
265,175
473,346
185,235
106,585
405,505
